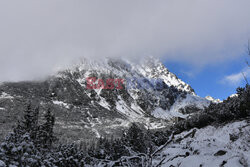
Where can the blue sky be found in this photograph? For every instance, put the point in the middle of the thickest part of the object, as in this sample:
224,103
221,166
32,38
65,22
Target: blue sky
211,79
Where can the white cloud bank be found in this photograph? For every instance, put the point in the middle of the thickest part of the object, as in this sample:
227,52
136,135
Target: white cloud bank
38,35
237,78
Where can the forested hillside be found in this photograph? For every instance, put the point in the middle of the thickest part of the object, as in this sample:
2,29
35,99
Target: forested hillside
33,143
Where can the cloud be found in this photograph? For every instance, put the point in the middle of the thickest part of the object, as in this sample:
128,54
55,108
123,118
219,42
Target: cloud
190,74
237,78
38,36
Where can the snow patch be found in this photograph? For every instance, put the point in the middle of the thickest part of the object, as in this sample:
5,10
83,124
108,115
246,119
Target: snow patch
233,95
164,114
104,103
61,103
6,96
190,100
2,164
210,98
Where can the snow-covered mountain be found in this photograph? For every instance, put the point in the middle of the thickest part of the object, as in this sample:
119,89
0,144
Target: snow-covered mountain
98,112
174,99
210,98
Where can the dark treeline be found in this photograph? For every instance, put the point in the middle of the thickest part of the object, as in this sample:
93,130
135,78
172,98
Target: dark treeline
33,143
233,108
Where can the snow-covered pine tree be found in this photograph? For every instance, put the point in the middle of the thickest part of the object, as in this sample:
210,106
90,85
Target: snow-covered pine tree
45,133
29,123
19,147
135,139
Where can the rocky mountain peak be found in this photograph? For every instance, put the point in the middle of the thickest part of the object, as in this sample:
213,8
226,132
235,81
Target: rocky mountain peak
154,68
97,110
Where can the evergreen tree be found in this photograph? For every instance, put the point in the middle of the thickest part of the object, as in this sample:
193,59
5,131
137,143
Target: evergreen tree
29,124
135,138
45,134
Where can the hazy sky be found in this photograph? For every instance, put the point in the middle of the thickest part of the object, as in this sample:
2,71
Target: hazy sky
38,36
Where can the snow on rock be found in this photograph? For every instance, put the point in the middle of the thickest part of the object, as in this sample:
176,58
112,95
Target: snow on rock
210,98
153,68
193,100
233,95
2,164
190,100
104,103
122,107
181,103
164,114
150,68
227,145
60,103
6,96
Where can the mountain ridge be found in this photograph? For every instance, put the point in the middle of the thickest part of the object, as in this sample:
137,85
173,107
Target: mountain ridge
99,112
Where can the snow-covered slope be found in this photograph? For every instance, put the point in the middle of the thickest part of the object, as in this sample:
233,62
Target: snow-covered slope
227,146
134,103
150,68
182,107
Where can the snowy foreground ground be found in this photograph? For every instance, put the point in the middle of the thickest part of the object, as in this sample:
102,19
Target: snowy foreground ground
227,146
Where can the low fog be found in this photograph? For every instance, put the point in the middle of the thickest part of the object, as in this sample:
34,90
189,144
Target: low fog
39,37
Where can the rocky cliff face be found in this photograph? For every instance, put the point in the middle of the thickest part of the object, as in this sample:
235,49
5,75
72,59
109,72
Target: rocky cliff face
150,94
